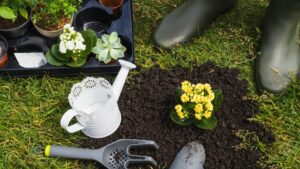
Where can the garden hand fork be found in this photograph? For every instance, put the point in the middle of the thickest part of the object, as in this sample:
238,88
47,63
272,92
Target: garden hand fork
113,156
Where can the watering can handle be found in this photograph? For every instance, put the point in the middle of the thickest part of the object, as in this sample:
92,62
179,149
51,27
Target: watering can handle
66,119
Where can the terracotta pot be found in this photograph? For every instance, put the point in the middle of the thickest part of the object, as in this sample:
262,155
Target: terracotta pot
52,33
17,32
4,56
113,4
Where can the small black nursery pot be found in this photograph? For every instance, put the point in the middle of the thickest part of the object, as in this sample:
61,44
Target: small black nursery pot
17,32
3,51
115,5
92,18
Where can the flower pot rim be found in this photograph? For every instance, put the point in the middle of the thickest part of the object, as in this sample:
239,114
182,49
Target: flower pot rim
20,26
51,31
113,7
2,38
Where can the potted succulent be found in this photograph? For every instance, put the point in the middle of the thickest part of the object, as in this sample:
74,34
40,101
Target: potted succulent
196,104
113,4
15,17
73,47
3,51
109,48
50,16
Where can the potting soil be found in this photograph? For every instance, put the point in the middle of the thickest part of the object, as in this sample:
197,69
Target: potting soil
148,98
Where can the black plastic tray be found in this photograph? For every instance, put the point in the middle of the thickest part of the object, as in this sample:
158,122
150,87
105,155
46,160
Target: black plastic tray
121,24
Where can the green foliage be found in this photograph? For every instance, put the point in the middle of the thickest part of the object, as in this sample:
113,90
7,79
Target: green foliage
109,48
50,12
218,100
56,58
10,9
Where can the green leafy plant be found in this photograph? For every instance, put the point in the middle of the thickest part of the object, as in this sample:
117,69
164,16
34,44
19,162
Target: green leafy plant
10,9
53,14
196,104
73,48
109,48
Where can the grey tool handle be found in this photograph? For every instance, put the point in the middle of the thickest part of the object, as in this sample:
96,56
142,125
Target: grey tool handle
69,152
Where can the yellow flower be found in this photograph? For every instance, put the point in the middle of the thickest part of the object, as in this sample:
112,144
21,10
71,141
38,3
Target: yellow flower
180,114
198,98
185,83
198,116
187,88
199,87
178,108
185,98
207,86
209,106
203,99
207,114
211,96
198,108
194,98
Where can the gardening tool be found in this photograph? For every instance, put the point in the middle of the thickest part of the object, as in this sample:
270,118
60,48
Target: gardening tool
191,156
94,104
113,156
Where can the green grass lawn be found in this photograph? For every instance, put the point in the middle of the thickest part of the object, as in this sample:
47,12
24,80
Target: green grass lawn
31,108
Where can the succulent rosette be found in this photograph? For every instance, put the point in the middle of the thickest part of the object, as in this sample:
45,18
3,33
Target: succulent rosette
109,48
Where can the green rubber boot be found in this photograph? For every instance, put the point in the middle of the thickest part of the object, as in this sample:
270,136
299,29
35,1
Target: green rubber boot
188,20
279,53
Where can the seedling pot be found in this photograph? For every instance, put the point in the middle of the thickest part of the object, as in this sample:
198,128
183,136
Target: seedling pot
115,5
3,51
50,33
19,31
92,18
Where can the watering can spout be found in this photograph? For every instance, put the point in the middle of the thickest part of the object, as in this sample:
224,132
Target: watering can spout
121,77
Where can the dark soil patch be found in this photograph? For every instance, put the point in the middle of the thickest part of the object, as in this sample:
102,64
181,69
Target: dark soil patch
8,24
145,107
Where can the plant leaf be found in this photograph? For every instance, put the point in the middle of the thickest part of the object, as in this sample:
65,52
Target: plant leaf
113,38
115,53
78,63
207,123
96,50
7,13
218,99
177,120
24,13
107,60
189,105
59,56
103,54
51,60
105,38
90,40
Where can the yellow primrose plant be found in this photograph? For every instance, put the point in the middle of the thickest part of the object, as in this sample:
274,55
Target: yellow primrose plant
196,104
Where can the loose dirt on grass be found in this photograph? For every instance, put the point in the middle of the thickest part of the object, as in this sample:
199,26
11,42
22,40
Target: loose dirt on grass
146,103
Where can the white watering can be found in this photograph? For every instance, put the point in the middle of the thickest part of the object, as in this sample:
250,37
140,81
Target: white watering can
94,104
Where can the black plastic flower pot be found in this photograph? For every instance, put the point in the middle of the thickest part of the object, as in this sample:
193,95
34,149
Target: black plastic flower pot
115,5
92,18
19,31
3,51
